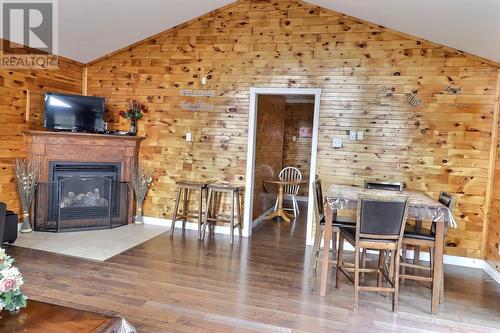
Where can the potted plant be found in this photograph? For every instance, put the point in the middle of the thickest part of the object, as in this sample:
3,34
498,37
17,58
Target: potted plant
11,280
134,113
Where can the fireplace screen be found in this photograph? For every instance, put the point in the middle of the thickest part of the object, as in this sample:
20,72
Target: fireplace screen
80,203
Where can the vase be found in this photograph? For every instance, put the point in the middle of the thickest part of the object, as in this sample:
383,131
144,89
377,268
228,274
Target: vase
133,129
138,214
26,226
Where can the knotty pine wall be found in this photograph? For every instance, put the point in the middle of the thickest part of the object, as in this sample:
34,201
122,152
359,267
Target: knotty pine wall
298,153
364,71
269,135
17,88
493,242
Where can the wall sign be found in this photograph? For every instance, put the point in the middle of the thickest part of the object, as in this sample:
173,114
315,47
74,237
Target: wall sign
196,106
384,92
197,93
305,132
412,99
452,90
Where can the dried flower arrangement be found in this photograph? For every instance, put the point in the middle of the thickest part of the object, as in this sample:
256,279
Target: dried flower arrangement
27,174
141,182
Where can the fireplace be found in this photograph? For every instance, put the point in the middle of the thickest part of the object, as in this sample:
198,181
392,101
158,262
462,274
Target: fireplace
81,196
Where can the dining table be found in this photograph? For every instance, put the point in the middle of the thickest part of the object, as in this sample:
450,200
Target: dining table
280,211
421,207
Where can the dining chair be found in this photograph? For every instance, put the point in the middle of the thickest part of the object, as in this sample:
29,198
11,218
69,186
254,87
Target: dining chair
380,225
290,174
389,186
319,224
379,185
418,236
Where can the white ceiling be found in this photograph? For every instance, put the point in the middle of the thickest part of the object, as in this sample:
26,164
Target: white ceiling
93,28
468,25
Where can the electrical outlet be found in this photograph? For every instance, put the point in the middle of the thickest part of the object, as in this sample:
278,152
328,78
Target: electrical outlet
336,143
352,135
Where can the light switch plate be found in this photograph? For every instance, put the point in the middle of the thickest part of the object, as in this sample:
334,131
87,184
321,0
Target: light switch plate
189,137
336,143
361,135
294,138
352,135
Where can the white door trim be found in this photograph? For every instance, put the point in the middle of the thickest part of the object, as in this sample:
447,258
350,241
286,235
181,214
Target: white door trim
252,121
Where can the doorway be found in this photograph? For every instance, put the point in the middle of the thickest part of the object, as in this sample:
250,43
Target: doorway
275,97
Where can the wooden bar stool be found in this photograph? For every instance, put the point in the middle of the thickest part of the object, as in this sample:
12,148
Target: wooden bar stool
183,188
212,216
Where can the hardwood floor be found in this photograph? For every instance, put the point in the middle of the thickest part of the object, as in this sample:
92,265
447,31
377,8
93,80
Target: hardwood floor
259,285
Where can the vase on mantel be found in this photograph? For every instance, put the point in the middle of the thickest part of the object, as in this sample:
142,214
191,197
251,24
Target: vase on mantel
133,128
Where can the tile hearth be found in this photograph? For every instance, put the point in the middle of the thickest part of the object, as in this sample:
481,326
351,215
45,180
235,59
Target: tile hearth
95,245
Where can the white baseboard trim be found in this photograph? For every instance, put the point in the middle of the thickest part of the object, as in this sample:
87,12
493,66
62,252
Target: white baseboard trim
189,225
491,271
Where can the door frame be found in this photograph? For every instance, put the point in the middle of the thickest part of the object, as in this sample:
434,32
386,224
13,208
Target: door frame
252,122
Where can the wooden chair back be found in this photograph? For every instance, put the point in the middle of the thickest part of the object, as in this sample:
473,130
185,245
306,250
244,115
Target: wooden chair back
290,174
320,208
381,217
318,198
446,199
389,186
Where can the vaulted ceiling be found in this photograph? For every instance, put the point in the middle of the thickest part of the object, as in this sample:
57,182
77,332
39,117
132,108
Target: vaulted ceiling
93,28
468,25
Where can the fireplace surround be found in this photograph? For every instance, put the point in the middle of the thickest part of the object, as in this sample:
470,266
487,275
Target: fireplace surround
110,154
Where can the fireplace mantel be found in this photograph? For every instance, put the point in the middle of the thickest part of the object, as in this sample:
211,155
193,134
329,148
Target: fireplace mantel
83,147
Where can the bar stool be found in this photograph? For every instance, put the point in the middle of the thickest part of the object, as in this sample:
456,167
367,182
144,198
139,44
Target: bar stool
183,188
212,215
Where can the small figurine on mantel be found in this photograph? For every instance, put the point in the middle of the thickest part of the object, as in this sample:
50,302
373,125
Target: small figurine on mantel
135,111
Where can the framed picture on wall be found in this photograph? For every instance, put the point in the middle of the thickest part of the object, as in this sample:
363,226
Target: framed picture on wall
305,132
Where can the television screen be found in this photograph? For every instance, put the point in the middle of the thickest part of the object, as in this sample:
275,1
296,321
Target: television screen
74,112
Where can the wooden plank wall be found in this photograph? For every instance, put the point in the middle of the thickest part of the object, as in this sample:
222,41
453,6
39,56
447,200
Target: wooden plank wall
268,150
492,246
17,88
298,153
426,110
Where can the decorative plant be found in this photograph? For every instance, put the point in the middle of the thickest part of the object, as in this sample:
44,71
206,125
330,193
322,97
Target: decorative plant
141,181
11,280
134,113
27,174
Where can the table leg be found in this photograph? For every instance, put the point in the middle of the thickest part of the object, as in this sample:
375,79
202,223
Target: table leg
437,272
280,212
327,237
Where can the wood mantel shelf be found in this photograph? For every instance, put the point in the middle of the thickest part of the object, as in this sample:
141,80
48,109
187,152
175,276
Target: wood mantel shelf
82,135
87,148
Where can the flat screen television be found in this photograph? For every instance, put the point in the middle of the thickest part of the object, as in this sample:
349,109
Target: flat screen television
64,112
